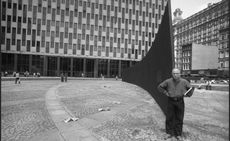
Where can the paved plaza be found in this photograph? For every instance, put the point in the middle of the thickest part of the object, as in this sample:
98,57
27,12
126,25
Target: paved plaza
107,110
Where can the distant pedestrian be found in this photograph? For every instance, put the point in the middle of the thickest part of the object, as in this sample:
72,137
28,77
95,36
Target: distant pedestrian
102,76
62,77
66,75
17,78
208,86
6,73
38,74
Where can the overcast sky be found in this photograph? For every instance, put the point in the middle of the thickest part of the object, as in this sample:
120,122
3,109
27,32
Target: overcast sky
190,7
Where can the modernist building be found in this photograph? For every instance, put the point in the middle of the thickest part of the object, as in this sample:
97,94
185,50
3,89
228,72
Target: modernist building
92,37
199,60
208,27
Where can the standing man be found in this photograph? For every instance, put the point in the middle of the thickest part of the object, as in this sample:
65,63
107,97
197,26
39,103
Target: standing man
174,88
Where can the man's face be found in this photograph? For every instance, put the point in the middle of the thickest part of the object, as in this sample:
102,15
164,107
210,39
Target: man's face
176,74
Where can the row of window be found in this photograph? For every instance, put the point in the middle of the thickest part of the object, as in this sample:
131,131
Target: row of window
81,48
113,19
186,66
90,3
83,27
88,37
206,17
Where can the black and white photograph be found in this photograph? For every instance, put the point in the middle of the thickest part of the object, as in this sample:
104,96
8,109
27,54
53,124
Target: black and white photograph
114,70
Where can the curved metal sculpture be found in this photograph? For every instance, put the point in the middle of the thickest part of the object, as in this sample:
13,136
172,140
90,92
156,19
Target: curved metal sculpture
157,64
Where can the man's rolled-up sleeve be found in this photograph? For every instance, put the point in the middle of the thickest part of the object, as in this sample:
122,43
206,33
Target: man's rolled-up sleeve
162,87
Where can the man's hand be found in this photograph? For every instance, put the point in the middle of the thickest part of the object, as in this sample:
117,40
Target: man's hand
166,93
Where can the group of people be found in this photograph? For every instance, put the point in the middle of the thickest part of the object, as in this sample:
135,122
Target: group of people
64,77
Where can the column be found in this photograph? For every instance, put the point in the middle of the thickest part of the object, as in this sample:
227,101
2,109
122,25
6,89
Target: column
71,67
119,68
30,63
45,65
108,68
96,68
58,65
84,67
15,62
130,64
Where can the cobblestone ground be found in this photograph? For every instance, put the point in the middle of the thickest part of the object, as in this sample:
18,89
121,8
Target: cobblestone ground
206,116
137,117
23,110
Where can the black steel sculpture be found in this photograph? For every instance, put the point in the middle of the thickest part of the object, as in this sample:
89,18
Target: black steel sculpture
157,65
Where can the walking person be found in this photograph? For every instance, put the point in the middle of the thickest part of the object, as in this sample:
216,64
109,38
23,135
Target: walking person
62,77
17,78
174,88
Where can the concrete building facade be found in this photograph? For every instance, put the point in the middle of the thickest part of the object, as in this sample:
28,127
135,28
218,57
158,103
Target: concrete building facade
90,37
205,27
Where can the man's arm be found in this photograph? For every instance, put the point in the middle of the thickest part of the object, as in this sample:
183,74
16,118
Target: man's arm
188,85
162,88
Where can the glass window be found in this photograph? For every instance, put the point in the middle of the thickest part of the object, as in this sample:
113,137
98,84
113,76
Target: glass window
33,37
3,34
28,46
8,24
13,36
34,14
8,44
14,12
18,45
9,4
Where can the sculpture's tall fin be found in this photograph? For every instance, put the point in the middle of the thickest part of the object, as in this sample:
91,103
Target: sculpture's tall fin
157,65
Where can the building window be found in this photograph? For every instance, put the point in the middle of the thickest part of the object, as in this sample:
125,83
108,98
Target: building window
23,37
18,45
56,47
14,12
3,10
19,25
47,47
38,46
28,46
34,14
33,37
9,4
3,34
8,24
13,36
7,44
24,13
29,27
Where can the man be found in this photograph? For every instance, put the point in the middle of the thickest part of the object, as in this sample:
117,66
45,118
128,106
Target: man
174,88
17,78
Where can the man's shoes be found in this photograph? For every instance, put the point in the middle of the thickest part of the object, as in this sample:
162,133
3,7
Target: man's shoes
179,138
168,137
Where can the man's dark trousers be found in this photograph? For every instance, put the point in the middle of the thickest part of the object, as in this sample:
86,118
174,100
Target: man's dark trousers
175,116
